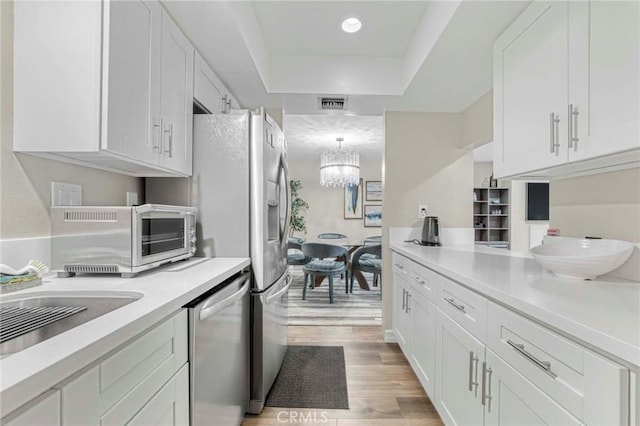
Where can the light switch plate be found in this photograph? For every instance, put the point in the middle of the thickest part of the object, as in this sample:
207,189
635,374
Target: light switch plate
66,194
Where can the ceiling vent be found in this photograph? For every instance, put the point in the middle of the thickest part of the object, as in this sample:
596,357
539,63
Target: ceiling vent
332,103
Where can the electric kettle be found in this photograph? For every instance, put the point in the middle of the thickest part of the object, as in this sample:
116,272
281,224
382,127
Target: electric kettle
431,231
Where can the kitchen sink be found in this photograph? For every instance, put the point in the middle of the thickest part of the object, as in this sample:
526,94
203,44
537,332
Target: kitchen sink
28,319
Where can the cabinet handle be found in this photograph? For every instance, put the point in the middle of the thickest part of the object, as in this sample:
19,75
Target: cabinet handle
169,151
473,360
543,365
225,104
573,127
228,105
404,293
156,135
486,385
554,137
408,307
455,305
399,265
419,281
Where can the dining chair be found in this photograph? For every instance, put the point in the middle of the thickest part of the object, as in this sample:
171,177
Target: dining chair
324,263
294,252
331,236
367,258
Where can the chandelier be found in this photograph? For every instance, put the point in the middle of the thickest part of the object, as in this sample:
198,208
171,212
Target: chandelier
339,168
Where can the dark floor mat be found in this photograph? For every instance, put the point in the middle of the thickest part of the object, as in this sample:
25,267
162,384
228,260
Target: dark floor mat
311,377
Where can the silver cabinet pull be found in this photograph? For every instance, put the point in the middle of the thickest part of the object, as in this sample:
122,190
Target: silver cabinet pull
156,135
408,307
404,293
228,105
169,131
419,281
455,305
473,362
399,266
543,365
573,127
486,385
554,137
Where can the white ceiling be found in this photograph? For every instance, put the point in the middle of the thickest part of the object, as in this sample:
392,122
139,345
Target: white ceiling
309,135
409,56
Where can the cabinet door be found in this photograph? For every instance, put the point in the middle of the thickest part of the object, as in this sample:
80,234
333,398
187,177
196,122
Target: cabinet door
170,406
208,90
604,81
423,341
459,359
401,318
44,411
513,400
176,98
530,84
131,93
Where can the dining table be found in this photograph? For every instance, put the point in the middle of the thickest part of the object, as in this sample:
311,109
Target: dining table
351,245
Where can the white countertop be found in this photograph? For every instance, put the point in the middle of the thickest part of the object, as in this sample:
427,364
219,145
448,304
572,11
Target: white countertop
603,313
26,374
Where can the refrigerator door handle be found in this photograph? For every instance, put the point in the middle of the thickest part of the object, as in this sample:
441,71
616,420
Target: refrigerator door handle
285,230
280,292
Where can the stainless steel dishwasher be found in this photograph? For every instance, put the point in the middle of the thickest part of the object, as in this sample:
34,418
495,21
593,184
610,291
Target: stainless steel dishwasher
219,353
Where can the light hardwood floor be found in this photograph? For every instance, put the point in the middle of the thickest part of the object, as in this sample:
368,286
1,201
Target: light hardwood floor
383,390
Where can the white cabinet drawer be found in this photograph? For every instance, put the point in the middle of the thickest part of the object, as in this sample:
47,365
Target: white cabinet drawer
43,411
423,280
467,308
401,265
591,387
122,383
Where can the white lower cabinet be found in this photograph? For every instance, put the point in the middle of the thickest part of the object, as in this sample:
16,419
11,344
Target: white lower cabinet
482,363
43,411
459,358
146,382
510,399
423,341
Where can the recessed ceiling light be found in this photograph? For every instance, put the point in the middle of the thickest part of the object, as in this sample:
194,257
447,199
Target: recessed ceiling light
351,25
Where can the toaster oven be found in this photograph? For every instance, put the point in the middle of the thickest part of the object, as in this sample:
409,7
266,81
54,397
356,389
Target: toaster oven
120,240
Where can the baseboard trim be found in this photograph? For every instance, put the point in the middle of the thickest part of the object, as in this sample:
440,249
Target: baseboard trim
390,337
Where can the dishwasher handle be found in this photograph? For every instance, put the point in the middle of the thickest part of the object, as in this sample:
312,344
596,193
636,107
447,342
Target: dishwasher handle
212,306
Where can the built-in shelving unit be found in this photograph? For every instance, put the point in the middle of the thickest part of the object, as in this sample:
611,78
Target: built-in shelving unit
491,216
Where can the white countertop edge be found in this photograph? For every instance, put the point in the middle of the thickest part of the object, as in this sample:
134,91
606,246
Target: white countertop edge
594,339
27,374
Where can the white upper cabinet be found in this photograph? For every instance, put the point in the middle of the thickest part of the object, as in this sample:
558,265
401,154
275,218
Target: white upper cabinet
566,84
209,91
176,107
604,79
104,73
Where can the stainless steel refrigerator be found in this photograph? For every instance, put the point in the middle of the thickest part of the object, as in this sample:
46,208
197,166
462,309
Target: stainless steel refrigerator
240,185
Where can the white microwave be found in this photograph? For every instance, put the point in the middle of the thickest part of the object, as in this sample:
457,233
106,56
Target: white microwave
120,240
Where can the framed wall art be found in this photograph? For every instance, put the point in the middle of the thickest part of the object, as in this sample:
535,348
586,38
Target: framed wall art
372,216
353,201
373,190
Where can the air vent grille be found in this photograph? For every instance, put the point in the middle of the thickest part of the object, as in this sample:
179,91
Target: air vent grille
90,216
92,269
332,103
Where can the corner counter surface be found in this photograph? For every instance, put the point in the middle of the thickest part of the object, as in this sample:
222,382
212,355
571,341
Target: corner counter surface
603,314
28,373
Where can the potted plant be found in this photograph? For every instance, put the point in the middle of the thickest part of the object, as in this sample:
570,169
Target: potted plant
298,207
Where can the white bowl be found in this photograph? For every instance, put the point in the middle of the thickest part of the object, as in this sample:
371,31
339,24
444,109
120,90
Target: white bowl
582,259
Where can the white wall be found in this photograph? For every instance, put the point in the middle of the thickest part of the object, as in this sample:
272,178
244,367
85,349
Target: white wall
606,205
326,205
481,170
423,165
477,122
25,181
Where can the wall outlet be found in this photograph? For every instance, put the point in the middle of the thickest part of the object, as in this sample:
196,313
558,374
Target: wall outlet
66,194
132,198
422,211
